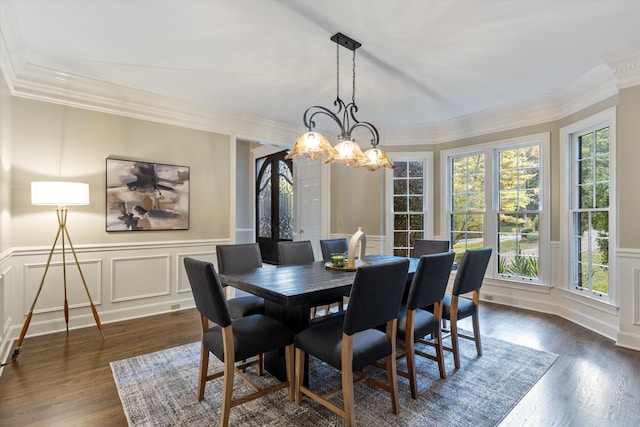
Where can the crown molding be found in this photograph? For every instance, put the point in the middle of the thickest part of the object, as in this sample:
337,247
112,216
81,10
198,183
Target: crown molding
626,66
44,84
594,86
619,70
48,85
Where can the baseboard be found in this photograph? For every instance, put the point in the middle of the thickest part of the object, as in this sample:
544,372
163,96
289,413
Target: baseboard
628,340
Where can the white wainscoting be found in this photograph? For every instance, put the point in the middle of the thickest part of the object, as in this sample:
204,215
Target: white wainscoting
629,278
125,281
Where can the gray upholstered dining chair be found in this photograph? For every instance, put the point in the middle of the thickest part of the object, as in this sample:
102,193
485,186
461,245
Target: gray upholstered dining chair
233,340
428,247
301,252
333,246
427,288
237,258
469,277
351,343
295,253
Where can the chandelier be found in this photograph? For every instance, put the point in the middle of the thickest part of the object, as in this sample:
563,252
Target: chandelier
314,145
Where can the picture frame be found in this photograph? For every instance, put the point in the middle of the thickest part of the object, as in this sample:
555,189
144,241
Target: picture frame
146,196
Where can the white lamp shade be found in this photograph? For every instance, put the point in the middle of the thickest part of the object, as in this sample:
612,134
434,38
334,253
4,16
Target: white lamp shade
59,193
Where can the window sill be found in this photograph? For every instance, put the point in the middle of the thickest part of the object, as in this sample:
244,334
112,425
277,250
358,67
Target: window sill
597,304
519,285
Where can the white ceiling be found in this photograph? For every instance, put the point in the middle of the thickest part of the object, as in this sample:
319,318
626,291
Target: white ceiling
420,62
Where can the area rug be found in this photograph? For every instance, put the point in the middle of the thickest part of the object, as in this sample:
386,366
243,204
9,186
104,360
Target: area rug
159,389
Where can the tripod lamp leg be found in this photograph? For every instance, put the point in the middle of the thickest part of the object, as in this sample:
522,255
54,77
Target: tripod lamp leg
27,321
84,282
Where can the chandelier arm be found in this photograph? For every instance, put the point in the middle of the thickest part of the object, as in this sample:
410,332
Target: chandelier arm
316,109
371,128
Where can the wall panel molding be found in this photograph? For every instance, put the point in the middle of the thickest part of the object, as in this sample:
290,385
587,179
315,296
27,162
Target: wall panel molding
140,277
181,280
51,298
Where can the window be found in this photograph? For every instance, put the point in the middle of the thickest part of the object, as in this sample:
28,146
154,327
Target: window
467,203
587,222
587,195
407,185
589,209
518,211
496,197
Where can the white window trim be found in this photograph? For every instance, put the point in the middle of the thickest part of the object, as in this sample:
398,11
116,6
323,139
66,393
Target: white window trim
490,234
427,160
567,133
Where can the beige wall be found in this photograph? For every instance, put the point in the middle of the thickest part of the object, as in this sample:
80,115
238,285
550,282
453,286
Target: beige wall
628,164
54,142
357,200
5,165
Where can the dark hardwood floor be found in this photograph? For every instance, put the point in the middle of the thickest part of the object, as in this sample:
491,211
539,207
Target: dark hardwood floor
65,379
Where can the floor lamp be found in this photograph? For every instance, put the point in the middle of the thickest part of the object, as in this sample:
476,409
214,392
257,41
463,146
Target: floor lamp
60,194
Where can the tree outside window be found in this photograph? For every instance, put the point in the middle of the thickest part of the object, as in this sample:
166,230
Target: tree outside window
518,211
467,203
590,211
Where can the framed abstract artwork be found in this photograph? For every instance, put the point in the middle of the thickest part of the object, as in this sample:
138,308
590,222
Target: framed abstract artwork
144,196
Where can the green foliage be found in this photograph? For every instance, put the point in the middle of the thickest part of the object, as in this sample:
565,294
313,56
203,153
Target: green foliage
522,266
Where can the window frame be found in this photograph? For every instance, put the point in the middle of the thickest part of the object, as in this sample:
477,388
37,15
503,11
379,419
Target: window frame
482,212
427,175
490,235
496,151
568,173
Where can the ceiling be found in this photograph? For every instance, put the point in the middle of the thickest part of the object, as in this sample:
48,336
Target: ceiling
420,62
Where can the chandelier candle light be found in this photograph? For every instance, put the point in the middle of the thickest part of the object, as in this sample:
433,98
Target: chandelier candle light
60,194
314,145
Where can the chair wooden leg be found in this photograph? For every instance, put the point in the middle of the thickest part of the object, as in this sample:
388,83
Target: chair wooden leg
392,373
313,312
347,380
409,351
299,376
204,369
476,333
453,320
440,353
288,355
229,371
260,367
227,392
476,322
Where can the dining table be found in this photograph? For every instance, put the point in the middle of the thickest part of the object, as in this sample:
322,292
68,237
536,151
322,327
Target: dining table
290,291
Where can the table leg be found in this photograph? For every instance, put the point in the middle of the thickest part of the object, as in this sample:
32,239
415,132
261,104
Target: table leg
297,319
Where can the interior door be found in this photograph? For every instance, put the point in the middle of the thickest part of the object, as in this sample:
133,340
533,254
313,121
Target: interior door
310,212
274,204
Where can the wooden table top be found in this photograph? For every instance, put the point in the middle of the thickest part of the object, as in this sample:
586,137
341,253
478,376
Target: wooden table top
291,285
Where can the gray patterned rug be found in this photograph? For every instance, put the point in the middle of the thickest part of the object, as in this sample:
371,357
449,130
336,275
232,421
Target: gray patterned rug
159,389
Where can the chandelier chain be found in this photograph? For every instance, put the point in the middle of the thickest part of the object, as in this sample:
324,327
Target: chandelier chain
337,71
353,93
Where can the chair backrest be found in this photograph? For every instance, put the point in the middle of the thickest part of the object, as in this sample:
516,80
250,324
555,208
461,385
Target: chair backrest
207,291
430,280
295,253
238,258
428,247
376,295
333,246
471,271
